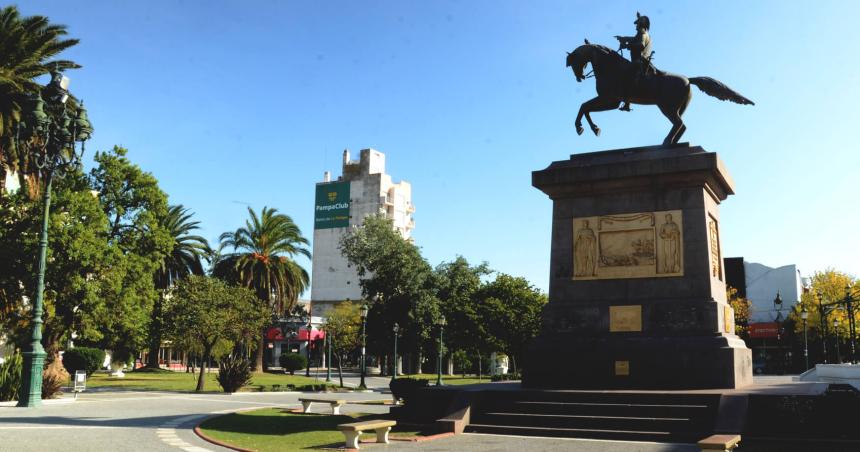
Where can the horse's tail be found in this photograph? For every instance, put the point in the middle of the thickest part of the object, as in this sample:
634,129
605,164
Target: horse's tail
717,89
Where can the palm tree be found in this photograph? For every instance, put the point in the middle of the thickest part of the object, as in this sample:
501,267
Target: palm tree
262,260
27,45
185,258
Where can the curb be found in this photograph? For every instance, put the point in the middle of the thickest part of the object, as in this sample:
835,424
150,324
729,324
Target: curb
203,436
214,441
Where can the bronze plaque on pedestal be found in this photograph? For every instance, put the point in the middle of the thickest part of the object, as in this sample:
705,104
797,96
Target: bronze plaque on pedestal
622,368
625,318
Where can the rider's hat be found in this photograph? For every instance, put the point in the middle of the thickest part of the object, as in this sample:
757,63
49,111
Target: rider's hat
643,21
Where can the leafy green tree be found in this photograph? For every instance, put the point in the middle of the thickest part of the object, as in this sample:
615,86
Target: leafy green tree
104,248
262,260
830,286
134,205
185,258
342,328
742,308
78,258
457,286
29,46
205,310
396,281
510,307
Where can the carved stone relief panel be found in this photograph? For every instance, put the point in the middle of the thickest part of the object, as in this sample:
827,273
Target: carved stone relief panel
716,257
638,245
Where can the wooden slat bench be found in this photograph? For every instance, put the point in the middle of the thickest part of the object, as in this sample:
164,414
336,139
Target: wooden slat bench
720,442
335,404
352,431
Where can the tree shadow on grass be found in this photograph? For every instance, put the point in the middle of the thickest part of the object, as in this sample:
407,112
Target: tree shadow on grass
286,429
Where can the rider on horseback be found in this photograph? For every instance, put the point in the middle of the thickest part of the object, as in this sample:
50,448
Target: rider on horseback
640,56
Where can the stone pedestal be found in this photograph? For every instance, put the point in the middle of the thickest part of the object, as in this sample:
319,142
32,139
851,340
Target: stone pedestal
637,296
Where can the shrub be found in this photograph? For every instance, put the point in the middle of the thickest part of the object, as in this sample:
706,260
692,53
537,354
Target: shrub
233,373
506,377
406,388
10,377
292,362
83,358
52,385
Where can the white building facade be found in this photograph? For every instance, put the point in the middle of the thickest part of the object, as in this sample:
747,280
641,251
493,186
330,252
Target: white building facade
760,284
363,189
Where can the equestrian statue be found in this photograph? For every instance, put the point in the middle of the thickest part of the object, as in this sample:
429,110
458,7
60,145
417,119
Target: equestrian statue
637,81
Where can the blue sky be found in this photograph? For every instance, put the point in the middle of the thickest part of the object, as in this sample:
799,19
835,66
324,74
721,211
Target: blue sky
233,103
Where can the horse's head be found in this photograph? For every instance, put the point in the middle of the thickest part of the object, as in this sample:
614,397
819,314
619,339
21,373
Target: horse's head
577,60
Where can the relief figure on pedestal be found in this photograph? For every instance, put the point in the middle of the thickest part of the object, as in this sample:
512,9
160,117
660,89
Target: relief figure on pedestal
671,236
585,251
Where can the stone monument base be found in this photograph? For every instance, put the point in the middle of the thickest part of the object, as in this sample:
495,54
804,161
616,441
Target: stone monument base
637,293
561,362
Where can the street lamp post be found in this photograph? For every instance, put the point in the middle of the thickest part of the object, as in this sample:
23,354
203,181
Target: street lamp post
328,357
52,140
396,330
822,317
308,349
836,340
803,316
441,324
777,306
364,310
851,326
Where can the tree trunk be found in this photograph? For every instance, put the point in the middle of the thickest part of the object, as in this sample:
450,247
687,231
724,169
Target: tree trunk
201,379
155,334
258,363
339,368
513,363
479,365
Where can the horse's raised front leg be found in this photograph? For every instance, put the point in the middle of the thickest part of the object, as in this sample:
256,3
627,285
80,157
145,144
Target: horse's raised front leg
596,104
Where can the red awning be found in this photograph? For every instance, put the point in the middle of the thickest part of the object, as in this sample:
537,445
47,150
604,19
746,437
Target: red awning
315,334
276,334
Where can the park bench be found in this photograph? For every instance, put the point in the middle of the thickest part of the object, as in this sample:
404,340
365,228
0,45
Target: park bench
353,430
335,404
720,442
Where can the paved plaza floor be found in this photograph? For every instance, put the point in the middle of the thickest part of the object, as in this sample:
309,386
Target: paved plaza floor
164,421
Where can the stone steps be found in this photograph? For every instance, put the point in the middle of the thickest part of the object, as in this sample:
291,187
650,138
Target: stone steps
621,435
604,415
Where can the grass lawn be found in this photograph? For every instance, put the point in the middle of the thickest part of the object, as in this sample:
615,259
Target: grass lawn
451,379
276,429
181,381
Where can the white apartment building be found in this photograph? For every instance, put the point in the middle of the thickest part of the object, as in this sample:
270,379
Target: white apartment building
363,189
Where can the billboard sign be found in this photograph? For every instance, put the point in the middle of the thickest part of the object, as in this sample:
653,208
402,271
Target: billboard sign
764,330
331,209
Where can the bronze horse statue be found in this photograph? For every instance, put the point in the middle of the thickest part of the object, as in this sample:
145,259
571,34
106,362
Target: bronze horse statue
670,92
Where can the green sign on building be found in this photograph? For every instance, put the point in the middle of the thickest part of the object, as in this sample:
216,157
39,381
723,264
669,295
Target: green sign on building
331,209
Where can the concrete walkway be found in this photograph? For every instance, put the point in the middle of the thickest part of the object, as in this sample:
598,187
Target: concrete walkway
136,421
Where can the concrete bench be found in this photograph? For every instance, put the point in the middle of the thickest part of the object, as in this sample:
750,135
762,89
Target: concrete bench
353,430
720,442
335,404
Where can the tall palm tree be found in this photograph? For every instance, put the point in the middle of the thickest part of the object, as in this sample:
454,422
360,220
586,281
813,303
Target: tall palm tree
262,259
186,258
28,46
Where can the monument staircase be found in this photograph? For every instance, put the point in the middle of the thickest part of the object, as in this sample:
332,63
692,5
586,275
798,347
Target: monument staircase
619,415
